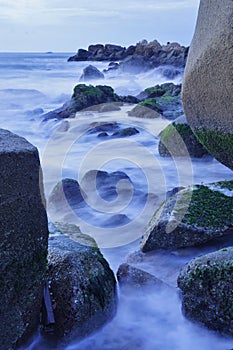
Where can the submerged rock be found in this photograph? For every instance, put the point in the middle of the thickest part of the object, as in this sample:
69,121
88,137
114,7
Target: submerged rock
178,140
82,286
206,283
91,73
23,240
191,217
207,87
131,276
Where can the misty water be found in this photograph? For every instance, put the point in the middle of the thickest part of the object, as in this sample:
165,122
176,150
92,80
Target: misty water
150,319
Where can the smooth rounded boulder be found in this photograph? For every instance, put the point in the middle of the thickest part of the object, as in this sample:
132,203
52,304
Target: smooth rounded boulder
208,79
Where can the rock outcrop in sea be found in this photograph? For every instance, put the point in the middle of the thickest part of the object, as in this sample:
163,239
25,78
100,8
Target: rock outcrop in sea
208,79
23,240
136,58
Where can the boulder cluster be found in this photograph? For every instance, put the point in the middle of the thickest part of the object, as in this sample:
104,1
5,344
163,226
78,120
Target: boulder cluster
140,57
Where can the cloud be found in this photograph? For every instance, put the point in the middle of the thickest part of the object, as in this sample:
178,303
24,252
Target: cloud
51,12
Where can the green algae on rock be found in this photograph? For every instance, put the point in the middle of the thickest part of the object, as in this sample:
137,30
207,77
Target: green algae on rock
207,84
191,217
178,140
207,287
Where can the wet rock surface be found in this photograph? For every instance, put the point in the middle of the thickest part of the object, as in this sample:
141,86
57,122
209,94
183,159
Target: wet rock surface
24,239
206,284
82,285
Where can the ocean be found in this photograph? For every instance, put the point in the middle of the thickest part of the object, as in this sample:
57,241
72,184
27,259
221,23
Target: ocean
35,83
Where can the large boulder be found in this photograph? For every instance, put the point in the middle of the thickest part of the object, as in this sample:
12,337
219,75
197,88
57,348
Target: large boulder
191,217
82,285
208,79
23,239
178,140
207,284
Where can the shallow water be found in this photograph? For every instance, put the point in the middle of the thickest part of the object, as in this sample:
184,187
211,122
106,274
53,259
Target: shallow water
146,319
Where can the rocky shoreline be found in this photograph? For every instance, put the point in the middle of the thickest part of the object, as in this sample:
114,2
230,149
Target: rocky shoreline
136,58
62,282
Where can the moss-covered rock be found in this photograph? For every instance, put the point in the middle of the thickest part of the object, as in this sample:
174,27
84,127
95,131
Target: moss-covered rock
82,285
207,286
219,144
84,96
191,217
163,99
178,140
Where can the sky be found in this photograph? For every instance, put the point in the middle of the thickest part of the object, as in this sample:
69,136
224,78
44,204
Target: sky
66,25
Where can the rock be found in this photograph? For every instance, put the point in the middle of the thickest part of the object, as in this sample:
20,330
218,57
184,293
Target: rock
103,182
206,284
67,193
191,217
91,73
170,72
178,140
207,87
24,238
82,286
126,132
130,276
164,99
84,97
136,58
105,107
146,109
100,52
103,127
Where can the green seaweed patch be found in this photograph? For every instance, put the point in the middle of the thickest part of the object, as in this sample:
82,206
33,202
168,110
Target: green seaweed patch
209,209
155,91
150,103
171,130
218,143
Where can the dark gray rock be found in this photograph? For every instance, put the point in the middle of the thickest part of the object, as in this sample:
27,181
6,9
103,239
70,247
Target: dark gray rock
67,193
206,283
178,140
191,217
130,131
82,285
91,73
131,276
136,58
23,239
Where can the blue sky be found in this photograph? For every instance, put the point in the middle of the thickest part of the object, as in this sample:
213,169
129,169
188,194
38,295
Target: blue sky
66,25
